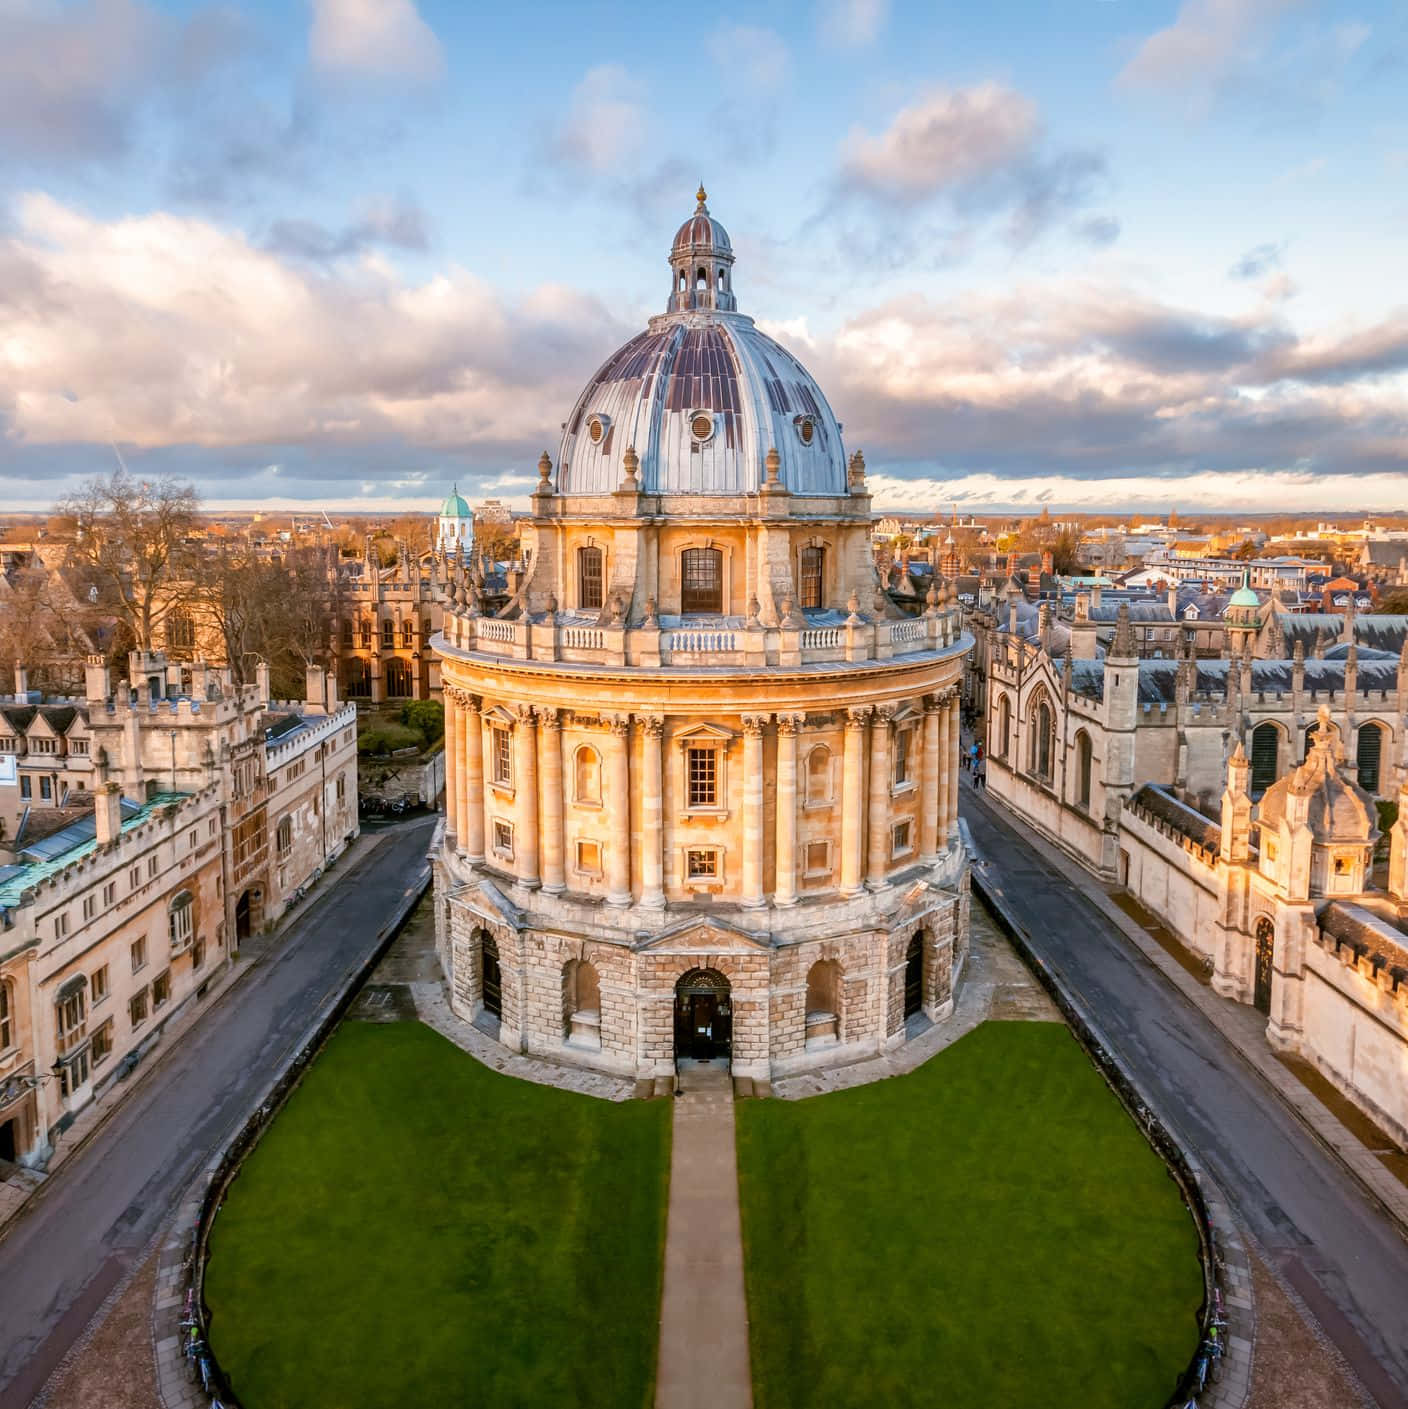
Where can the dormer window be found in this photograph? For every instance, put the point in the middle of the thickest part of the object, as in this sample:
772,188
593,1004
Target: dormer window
806,429
597,428
701,426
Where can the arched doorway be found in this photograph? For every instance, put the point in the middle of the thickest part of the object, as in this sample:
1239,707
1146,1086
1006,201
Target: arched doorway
398,678
246,913
914,975
703,1016
492,982
1265,952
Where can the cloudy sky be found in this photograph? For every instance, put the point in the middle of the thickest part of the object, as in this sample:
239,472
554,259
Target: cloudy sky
1125,252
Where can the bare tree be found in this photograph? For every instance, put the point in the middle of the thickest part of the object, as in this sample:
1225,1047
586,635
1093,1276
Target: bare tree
132,535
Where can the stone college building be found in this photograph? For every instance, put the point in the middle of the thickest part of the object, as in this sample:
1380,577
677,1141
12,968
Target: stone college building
702,777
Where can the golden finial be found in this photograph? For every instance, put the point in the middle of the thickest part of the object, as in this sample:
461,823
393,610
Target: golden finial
701,195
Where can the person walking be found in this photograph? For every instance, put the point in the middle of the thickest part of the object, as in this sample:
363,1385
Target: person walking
980,774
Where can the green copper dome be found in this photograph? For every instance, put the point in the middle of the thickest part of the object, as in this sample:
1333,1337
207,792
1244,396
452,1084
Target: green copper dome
454,506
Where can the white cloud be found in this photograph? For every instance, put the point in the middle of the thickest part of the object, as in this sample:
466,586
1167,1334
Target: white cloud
603,127
1207,40
160,330
947,138
378,38
748,54
851,23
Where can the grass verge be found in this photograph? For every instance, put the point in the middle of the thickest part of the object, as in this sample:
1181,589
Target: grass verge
415,1229
991,1230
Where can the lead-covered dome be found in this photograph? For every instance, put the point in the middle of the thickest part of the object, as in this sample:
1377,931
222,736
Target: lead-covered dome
702,396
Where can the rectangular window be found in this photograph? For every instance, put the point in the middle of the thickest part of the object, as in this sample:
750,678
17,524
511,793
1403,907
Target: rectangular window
102,1043
899,839
285,837
7,1031
902,741
503,756
78,747
589,578
90,905
341,787
589,858
810,585
98,981
139,955
388,635
198,955
46,789
134,877
110,894
366,635
161,989
503,839
701,864
61,924
702,776
151,865
25,793
137,1008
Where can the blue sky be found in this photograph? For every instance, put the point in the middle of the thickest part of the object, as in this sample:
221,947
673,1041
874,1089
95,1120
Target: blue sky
347,252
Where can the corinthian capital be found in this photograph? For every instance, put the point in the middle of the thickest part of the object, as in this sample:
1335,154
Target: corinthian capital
619,724
790,723
652,725
548,717
884,713
754,723
857,716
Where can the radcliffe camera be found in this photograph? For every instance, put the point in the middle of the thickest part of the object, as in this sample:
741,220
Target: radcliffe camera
703,711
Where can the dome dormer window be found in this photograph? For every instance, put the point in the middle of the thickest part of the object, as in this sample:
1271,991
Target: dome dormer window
597,427
701,426
806,429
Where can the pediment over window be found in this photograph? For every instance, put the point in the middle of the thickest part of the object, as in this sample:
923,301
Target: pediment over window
704,734
704,937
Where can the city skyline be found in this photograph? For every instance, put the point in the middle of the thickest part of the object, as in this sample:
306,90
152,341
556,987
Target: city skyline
1124,258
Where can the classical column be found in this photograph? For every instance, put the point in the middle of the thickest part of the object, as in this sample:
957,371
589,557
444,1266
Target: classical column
852,820
470,788
525,783
652,803
753,810
929,781
550,800
618,869
879,797
454,753
948,766
785,850
955,744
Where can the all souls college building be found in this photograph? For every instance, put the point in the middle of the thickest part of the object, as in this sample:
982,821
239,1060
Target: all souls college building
702,772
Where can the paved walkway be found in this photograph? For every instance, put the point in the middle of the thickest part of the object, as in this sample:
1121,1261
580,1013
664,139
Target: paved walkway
704,1313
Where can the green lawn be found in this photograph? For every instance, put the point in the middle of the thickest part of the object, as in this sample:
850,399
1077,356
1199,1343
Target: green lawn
989,1231
416,1229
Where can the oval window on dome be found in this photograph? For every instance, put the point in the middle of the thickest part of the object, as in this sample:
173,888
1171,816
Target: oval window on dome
806,429
701,425
596,429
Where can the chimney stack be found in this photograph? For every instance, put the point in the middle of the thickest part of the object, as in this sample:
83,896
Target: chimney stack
97,680
261,680
21,683
315,688
107,804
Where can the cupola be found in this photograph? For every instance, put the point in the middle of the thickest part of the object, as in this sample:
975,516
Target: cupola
701,263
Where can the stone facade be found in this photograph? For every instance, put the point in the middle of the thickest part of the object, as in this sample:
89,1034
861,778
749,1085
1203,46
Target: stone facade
701,789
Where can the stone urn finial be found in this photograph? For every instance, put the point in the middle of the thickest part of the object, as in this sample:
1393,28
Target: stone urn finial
544,474
652,615
630,462
773,465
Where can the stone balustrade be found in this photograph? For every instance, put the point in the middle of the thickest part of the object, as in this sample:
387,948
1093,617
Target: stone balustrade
741,647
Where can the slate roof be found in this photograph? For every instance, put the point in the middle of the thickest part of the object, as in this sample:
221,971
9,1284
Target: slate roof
1370,935
1186,821
1088,679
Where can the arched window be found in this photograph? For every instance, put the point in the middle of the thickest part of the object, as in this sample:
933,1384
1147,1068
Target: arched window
1368,753
491,976
701,280
180,919
1004,726
586,775
914,975
702,580
819,774
581,1004
398,678
1083,769
589,579
823,1014
813,561
1043,740
359,681
1266,739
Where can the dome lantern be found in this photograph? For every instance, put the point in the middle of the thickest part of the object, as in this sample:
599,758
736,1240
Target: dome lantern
701,264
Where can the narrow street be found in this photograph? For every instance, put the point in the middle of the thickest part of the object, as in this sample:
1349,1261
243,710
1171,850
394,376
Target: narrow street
1340,1254
88,1227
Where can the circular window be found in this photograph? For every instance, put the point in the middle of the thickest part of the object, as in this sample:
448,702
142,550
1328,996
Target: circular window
702,425
596,430
806,428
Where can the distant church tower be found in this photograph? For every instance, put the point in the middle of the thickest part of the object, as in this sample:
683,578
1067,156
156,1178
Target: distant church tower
456,532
